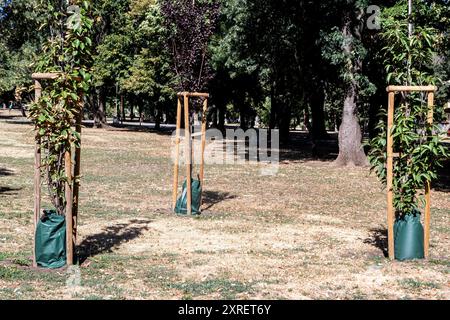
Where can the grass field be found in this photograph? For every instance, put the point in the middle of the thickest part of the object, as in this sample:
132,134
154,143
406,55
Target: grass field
313,231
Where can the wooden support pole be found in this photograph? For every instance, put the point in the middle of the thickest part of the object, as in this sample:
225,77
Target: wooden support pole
411,88
177,156
193,94
69,212
76,174
37,174
427,217
390,167
202,163
187,132
45,76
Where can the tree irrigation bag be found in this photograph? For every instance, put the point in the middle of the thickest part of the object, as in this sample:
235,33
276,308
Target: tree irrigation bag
408,237
196,189
51,240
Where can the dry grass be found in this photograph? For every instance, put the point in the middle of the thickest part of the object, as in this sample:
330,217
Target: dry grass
311,232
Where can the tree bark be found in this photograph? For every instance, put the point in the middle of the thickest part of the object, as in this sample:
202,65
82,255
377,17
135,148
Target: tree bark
158,118
351,151
99,112
285,124
317,102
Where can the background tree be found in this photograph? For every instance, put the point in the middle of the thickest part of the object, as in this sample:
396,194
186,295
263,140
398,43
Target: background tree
190,24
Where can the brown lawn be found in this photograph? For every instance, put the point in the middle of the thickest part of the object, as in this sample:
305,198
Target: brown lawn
313,231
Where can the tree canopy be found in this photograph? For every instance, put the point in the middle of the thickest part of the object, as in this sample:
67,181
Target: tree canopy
315,64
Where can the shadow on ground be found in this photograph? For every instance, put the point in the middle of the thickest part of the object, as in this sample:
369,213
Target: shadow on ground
443,182
6,172
6,116
211,198
302,148
378,239
110,238
9,191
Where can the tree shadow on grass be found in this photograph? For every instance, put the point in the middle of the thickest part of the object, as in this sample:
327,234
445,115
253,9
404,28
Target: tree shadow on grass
9,191
110,238
443,182
302,148
211,198
6,172
378,238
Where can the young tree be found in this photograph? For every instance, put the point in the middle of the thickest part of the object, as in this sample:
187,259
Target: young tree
68,53
409,59
190,24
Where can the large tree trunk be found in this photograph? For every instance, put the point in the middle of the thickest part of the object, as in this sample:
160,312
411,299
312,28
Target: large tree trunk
351,151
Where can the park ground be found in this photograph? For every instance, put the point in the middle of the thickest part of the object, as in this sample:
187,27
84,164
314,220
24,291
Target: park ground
314,231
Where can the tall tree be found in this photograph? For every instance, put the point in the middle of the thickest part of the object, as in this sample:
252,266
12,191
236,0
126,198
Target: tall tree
345,49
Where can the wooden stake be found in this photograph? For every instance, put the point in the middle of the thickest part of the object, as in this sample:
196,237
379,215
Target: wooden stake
177,156
390,167
411,88
37,174
69,204
76,182
193,94
427,217
187,130
202,163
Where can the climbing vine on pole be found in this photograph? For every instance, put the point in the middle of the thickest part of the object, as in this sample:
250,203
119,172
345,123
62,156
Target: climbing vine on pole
68,54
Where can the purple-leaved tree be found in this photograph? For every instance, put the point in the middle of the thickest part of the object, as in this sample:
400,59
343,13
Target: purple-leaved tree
191,24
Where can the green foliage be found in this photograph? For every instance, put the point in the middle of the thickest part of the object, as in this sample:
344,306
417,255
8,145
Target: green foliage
19,41
149,75
67,54
408,60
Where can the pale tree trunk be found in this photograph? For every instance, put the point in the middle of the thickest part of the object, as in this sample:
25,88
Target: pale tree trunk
351,151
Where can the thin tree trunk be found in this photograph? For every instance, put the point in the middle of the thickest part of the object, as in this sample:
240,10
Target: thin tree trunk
158,120
273,108
221,123
99,112
285,124
122,107
317,102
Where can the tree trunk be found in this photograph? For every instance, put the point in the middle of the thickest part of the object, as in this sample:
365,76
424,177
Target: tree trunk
243,115
132,116
122,108
285,124
351,151
99,112
158,119
317,102
273,108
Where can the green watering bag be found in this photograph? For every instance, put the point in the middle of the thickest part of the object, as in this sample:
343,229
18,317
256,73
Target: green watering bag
408,237
181,206
51,240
